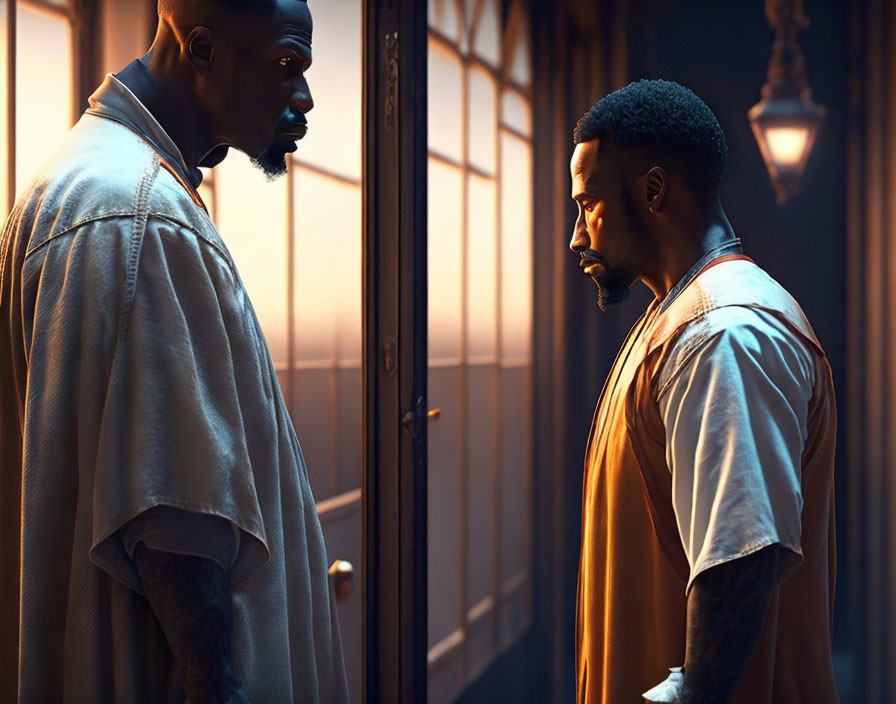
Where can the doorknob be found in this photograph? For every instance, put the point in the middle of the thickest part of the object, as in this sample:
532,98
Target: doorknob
433,414
341,572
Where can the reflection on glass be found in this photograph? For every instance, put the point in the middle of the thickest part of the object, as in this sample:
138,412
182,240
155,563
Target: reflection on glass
516,112
482,289
520,65
334,140
481,122
487,42
43,87
251,216
444,103
516,248
327,268
445,273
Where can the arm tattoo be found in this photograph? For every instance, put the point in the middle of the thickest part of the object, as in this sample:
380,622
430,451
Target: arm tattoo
191,599
726,611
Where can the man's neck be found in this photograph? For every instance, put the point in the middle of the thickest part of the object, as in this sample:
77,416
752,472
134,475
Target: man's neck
171,106
680,254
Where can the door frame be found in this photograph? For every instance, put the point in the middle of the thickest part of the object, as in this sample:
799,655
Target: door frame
394,365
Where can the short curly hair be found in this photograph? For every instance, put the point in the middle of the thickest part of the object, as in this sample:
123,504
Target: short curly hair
258,7
657,120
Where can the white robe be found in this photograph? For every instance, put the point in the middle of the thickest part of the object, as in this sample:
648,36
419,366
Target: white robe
135,375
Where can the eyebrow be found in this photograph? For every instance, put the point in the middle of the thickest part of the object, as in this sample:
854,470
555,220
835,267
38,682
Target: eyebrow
300,31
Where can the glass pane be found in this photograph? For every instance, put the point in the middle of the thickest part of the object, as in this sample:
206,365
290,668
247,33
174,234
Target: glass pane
43,87
314,395
482,120
445,272
480,468
445,100
487,42
516,454
333,141
516,112
520,61
443,17
482,289
251,216
327,268
442,437
4,107
516,248
348,413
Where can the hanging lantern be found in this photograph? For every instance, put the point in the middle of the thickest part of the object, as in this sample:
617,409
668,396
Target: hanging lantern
786,121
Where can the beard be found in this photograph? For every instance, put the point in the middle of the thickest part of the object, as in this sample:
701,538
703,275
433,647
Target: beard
613,284
272,162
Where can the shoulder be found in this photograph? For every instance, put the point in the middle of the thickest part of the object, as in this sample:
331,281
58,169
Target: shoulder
740,340
104,177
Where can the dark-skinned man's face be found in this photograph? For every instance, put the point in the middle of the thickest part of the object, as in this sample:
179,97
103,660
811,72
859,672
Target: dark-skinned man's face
256,91
607,236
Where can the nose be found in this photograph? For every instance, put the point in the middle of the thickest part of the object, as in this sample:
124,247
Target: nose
301,100
580,241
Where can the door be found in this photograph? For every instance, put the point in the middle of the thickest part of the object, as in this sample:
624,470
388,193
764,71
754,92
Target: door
480,449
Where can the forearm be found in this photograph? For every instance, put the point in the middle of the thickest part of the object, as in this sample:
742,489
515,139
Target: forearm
726,611
191,600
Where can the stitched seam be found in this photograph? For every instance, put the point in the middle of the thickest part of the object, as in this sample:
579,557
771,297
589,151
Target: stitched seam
137,232
69,229
199,236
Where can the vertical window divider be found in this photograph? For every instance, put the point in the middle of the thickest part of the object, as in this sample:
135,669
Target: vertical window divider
462,458
497,417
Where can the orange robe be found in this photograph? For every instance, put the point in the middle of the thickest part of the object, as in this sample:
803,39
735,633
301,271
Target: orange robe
631,611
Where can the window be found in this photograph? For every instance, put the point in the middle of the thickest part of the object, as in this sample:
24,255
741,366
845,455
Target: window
37,107
480,328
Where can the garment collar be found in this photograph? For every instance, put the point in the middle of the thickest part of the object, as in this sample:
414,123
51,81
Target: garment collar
729,246
113,100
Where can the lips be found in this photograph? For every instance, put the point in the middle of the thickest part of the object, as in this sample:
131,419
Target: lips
297,132
589,265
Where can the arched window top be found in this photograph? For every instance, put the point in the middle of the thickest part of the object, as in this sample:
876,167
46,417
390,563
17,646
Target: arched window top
444,17
518,52
486,34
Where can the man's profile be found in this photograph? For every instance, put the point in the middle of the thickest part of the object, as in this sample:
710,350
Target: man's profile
159,536
707,537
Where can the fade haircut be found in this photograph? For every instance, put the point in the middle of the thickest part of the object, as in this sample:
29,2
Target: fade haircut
651,122
257,7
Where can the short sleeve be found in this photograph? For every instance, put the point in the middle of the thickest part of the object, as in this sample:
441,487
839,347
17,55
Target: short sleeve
735,413
183,533
172,430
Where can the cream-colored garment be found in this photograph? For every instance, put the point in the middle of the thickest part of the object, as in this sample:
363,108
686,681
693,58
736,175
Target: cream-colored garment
647,532
135,374
734,398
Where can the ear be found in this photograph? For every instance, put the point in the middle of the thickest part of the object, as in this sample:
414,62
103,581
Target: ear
200,49
656,188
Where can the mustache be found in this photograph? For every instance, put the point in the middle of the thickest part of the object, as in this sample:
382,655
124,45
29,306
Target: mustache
591,256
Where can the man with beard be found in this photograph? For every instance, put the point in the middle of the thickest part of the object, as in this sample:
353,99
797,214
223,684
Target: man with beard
160,540
707,535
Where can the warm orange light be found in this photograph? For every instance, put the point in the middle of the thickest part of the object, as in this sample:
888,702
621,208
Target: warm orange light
787,144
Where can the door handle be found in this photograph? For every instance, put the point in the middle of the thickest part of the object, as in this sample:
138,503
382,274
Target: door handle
341,571
433,414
